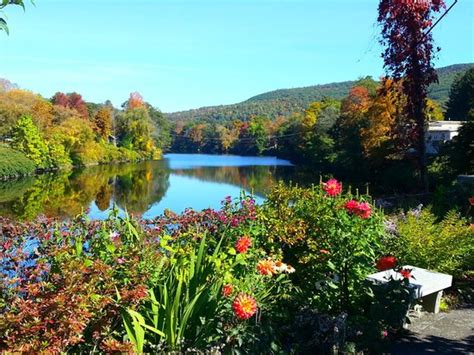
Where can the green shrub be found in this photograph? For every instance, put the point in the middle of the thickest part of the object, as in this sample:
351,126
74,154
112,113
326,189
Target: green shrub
59,156
332,248
14,163
419,239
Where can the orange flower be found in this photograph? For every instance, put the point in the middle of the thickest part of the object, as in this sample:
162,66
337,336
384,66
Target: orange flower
244,306
243,244
266,267
227,290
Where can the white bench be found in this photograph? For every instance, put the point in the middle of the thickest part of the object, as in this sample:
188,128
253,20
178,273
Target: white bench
428,285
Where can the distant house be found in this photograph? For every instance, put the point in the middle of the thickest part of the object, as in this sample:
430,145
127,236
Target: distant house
112,140
440,132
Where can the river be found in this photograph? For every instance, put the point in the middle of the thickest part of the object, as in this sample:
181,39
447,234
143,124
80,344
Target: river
148,188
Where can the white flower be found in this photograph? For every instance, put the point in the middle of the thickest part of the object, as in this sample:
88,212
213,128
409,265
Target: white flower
280,267
114,236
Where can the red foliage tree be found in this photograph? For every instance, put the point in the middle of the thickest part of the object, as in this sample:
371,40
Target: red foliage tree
76,102
408,55
60,99
72,100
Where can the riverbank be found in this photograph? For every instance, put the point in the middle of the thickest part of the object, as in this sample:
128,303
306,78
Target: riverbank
14,164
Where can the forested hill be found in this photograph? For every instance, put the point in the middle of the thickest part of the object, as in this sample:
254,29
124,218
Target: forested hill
284,102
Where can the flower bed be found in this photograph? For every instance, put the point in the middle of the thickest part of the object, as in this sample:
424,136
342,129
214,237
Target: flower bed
244,277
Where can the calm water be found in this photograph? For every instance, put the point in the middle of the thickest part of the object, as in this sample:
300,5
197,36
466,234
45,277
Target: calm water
148,188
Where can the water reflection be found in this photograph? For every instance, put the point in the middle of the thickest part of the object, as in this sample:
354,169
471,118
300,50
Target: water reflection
147,188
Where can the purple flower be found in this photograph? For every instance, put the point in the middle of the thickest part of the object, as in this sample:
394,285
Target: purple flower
390,226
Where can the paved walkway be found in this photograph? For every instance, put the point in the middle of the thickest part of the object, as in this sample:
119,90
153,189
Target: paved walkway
443,333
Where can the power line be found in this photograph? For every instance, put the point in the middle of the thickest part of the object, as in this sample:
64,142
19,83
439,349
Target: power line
244,139
438,21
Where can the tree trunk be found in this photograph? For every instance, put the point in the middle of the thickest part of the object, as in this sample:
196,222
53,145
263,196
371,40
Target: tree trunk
418,110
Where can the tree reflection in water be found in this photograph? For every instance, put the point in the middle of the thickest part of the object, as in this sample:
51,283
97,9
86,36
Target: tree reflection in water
65,194
135,188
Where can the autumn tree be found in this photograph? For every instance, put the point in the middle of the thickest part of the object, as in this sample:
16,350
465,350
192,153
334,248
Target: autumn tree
408,56
433,110
381,116
227,137
16,103
103,121
353,118
73,101
135,101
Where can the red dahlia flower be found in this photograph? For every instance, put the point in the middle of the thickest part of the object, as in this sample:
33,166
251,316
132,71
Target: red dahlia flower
471,200
386,263
332,187
361,209
244,306
364,211
351,206
406,273
227,290
243,244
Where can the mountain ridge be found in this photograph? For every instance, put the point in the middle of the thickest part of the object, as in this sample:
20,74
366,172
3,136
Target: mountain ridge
284,102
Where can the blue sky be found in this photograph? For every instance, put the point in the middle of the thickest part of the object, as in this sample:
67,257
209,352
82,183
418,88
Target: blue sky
187,54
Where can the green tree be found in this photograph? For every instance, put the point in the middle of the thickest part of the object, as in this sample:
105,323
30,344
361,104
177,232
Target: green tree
461,97
28,139
370,84
258,132
461,149
135,129
161,134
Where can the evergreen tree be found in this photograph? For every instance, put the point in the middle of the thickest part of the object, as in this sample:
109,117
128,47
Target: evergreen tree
461,97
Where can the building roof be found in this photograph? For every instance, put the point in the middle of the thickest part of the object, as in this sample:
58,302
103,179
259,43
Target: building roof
444,125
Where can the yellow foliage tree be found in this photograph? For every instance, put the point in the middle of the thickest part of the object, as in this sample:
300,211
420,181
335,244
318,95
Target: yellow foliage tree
16,103
381,116
433,111
103,121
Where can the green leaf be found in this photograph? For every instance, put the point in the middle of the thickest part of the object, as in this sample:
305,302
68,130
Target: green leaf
78,245
3,26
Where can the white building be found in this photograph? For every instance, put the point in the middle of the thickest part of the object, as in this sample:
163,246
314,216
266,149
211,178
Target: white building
440,132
